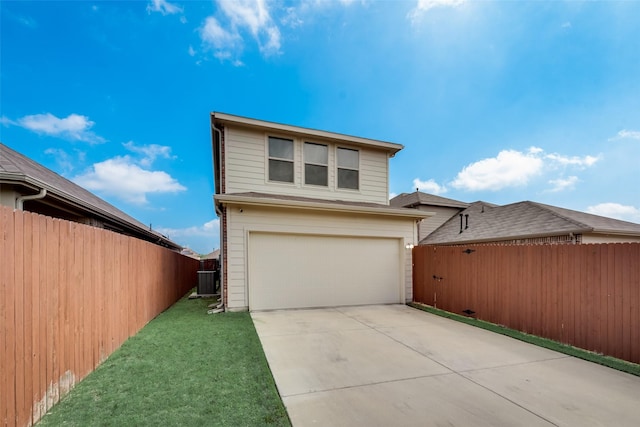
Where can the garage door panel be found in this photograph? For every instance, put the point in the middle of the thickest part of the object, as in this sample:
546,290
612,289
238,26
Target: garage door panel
295,271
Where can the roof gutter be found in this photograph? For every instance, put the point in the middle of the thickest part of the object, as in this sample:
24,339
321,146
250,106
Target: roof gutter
219,177
321,206
505,238
20,200
71,200
218,210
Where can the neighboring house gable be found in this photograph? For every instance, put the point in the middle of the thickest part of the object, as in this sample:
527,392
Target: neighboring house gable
530,222
28,185
305,218
441,207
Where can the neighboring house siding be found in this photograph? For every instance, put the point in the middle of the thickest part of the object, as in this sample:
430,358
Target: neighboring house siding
442,215
246,169
608,238
8,196
254,218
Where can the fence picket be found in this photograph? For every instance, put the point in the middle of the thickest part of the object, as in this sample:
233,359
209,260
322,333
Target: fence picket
71,294
586,295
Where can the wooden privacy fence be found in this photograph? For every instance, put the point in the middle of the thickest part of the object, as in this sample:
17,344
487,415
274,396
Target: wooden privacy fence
70,295
585,295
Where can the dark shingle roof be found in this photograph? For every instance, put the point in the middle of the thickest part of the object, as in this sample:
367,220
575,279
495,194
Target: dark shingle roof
527,219
411,200
18,169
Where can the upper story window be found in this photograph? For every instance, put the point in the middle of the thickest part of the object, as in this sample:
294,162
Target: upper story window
348,168
316,160
280,159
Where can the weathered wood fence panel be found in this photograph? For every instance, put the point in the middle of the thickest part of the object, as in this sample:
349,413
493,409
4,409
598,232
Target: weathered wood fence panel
584,295
70,295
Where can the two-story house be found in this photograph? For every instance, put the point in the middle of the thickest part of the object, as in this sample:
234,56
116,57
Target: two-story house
305,219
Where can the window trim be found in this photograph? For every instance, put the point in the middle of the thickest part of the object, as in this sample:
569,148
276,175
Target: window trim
338,148
305,163
269,158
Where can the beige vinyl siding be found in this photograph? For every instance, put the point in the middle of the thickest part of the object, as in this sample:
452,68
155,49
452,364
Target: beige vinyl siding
429,225
245,164
8,196
246,169
296,221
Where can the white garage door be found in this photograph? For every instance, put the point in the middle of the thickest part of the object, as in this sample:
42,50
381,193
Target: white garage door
296,271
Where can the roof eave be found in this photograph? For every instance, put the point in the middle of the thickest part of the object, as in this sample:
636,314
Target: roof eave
26,180
506,238
615,232
223,118
321,206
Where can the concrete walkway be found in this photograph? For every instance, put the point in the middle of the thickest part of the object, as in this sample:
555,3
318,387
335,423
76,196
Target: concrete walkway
394,365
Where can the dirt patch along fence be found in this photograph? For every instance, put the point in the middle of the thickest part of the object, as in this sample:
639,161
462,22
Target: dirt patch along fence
70,295
584,295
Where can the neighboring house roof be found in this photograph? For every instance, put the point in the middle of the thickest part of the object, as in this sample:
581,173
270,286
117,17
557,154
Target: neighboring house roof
190,253
489,223
296,202
212,255
417,198
223,118
20,171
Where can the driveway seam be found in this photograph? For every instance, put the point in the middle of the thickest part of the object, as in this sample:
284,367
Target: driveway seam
514,364
347,387
460,373
507,399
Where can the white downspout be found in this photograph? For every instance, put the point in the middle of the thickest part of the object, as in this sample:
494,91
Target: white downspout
219,213
20,200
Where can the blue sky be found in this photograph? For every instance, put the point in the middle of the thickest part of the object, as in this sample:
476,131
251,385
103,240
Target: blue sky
494,101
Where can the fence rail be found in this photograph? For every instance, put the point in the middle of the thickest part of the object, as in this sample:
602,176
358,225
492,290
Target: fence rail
70,295
585,295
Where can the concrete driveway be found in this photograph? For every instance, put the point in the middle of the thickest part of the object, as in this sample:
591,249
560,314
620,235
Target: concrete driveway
394,365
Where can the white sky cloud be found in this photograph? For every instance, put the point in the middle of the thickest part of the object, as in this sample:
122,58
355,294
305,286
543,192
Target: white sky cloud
74,127
616,210
149,152
562,184
63,159
585,161
241,15
429,186
424,6
510,168
121,177
6,121
164,7
203,237
219,38
624,134
210,228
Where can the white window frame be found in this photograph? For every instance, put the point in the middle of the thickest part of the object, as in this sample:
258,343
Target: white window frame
305,163
338,167
268,158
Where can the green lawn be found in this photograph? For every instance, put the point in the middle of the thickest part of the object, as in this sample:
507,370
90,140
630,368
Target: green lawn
612,362
185,368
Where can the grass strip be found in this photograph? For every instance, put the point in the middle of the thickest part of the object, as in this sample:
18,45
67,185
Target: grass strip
184,368
611,362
